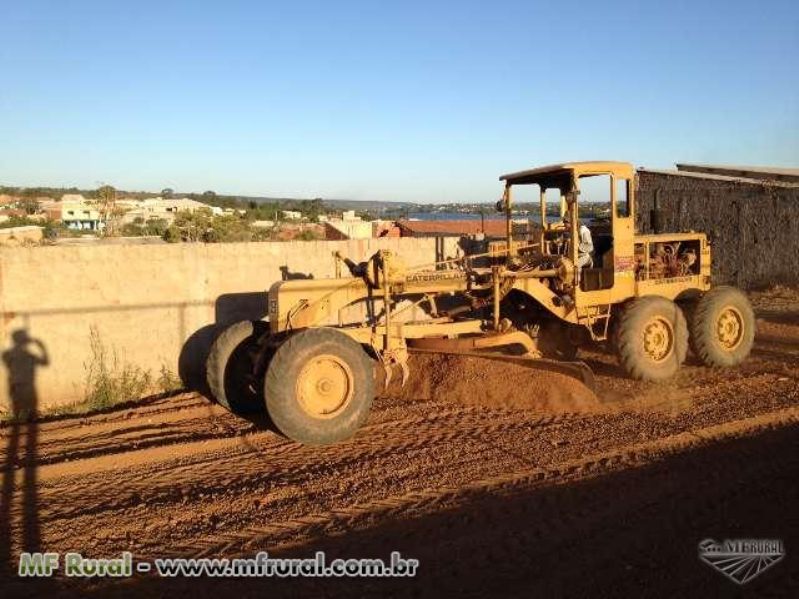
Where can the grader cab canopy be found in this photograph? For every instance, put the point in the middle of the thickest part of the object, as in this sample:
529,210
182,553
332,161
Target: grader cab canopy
562,175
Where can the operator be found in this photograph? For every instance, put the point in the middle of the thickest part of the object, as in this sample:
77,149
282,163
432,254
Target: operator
585,247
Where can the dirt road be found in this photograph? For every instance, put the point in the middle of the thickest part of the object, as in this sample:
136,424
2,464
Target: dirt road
492,500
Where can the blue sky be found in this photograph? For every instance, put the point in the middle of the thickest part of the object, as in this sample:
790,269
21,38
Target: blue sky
426,101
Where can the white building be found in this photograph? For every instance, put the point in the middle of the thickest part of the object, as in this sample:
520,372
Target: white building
163,208
75,212
349,227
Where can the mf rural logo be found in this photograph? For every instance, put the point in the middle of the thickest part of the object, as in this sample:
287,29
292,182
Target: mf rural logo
741,560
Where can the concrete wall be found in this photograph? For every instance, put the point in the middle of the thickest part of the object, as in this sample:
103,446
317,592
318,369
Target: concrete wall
153,305
14,236
753,227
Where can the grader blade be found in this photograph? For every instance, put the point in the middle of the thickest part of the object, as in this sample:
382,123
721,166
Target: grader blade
576,369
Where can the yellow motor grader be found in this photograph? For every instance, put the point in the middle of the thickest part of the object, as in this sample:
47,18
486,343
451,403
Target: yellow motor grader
648,296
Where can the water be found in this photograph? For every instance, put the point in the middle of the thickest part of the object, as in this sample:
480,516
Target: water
462,216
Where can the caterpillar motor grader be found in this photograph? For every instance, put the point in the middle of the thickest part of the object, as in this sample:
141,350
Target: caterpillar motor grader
312,360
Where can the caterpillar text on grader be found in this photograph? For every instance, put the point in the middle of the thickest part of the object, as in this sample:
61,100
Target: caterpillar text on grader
647,296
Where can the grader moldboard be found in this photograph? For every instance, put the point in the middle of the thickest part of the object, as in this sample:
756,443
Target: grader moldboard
646,296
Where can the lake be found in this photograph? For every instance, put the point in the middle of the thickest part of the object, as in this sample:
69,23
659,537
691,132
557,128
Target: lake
490,216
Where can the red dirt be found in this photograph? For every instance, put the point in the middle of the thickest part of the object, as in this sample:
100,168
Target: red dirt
511,497
493,383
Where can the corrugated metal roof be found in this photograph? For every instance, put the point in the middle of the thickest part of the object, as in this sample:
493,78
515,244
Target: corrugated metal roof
713,177
771,173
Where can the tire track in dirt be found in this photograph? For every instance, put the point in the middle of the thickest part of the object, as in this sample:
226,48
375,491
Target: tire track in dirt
194,419
81,437
199,477
610,530
441,426
238,470
577,533
143,431
417,503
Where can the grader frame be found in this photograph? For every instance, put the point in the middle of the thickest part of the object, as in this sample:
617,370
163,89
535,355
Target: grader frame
641,297
381,281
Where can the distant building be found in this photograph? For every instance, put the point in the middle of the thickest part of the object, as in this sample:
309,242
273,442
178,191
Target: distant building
448,228
79,215
385,228
52,210
291,214
348,229
161,208
75,211
228,211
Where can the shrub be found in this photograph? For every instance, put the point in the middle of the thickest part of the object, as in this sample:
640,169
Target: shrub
132,230
306,235
172,235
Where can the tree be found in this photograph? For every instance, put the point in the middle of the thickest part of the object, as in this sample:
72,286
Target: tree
29,205
167,192
106,193
107,196
311,209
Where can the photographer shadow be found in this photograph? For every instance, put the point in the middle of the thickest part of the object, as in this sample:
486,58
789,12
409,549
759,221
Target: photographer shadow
22,360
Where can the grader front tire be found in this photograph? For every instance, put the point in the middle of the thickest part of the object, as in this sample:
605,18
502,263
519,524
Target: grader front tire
319,386
722,327
651,338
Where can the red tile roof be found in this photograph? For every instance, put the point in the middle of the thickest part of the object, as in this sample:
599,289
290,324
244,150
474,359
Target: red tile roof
423,228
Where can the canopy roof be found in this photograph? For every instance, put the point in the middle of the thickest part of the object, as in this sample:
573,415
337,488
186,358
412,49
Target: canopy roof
559,175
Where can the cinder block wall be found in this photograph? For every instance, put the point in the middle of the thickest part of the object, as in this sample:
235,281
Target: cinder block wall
754,228
153,305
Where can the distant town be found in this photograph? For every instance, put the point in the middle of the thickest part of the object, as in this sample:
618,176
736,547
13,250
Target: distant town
38,215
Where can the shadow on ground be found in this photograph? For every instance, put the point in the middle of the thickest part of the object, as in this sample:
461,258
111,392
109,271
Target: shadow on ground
631,533
22,361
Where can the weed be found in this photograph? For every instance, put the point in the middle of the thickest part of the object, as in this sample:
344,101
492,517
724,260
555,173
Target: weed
168,381
110,381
